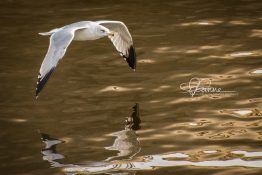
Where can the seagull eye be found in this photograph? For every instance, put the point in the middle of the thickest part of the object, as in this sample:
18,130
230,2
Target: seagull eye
102,30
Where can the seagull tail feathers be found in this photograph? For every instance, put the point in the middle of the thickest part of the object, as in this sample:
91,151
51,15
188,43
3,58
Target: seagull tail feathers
49,33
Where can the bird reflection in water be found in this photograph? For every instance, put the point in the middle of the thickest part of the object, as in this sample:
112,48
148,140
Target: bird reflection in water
126,143
49,151
127,163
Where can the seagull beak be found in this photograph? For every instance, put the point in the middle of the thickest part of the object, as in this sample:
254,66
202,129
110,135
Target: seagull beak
111,34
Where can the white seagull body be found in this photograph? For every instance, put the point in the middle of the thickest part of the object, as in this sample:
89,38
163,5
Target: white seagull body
60,39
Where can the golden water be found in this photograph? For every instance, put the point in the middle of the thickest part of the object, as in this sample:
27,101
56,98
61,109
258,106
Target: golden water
92,92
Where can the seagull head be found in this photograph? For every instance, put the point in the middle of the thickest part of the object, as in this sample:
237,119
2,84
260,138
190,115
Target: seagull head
103,31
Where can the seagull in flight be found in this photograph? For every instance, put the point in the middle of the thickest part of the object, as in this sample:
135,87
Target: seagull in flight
60,39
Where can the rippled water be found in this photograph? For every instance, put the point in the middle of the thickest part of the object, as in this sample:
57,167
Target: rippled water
98,116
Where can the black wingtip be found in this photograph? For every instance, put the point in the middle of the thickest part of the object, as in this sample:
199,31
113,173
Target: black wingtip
42,81
131,59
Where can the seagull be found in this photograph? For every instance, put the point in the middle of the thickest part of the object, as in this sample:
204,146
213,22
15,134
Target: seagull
60,39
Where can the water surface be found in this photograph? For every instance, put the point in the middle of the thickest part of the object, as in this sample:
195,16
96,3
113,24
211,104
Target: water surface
90,107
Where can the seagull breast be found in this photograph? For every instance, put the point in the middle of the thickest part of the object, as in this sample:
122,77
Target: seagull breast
85,34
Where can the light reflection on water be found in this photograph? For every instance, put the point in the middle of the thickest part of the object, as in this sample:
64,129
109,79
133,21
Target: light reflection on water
86,101
128,146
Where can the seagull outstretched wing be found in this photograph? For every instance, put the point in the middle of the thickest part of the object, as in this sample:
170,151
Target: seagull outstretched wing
59,41
122,40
